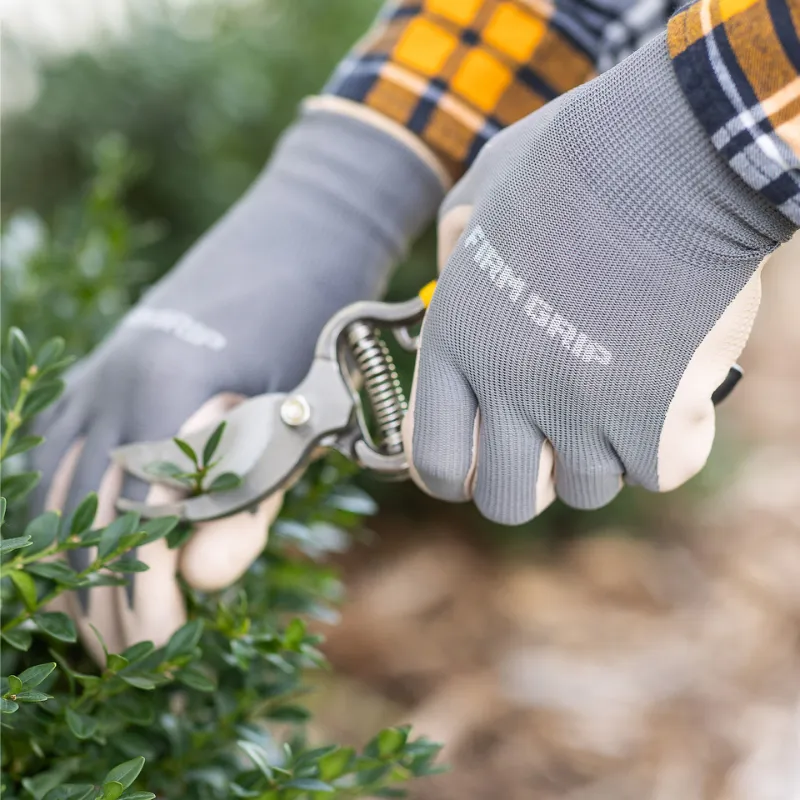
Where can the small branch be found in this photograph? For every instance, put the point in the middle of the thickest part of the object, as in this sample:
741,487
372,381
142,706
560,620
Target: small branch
14,417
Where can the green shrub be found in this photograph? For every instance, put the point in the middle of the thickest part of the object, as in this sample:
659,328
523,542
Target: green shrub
218,712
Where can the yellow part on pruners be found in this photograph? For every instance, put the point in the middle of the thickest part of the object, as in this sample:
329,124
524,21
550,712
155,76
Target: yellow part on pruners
426,293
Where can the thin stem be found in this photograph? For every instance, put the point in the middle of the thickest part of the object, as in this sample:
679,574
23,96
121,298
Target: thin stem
27,614
21,561
14,417
95,566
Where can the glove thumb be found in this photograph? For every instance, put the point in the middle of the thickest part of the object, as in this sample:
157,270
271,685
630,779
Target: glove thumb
217,553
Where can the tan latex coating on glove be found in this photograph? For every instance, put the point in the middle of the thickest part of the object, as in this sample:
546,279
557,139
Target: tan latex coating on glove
216,555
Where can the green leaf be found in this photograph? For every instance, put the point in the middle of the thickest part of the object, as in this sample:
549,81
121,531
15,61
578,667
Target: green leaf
19,638
49,352
43,530
58,367
184,640
139,682
187,450
55,571
125,773
138,651
334,764
8,706
195,677
84,793
225,482
43,782
112,790
127,564
89,682
369,775
19,350
311,757
121,526
32,696
42,395
259,758
72,791
130,708
14,684
82,725
309,785
15,487
213,443
294,635
115,662
238,791
130,540
391,741
33,676
26,588
3,505
23,444
158,528
165,469
138,796
17,543
57,625
7,390
99,637
179,535
84,515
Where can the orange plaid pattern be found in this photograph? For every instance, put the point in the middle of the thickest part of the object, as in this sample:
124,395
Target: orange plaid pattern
738,62
455,72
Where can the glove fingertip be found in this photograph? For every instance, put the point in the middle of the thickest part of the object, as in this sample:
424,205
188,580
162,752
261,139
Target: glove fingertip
220,551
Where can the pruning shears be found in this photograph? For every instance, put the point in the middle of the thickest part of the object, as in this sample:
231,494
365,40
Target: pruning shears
270,439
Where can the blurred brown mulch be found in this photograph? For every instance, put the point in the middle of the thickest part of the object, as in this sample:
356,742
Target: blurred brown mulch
612,667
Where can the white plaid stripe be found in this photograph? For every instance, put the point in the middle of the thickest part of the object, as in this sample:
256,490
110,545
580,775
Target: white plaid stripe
765,160
634,27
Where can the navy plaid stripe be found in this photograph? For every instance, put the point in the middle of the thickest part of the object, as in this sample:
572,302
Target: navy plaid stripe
535,82
785,30
690,67
725,98
577,26
781,190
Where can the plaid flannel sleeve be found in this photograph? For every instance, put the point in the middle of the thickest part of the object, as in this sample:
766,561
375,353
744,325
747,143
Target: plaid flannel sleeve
455,72
738,62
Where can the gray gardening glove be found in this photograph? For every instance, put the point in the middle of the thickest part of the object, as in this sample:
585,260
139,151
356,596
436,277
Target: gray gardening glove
335,209
602,275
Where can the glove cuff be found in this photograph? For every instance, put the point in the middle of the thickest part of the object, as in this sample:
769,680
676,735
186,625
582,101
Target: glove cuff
633,135
340,162
350,108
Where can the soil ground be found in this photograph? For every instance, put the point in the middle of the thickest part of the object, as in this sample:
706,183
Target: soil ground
664,666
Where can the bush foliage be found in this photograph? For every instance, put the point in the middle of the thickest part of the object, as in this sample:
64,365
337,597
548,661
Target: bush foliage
218,711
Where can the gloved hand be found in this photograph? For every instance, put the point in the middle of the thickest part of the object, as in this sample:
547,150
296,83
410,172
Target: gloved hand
337,206
602,275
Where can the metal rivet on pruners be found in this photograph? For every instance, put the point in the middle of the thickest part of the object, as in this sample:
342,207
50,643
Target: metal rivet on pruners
295,410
